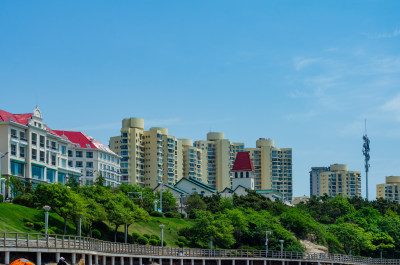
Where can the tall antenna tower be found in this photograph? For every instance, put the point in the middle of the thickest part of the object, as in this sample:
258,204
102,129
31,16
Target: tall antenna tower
366,156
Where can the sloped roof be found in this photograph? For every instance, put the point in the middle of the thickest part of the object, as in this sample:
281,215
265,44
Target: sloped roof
198,183
82,140
172,188
18,118
243,162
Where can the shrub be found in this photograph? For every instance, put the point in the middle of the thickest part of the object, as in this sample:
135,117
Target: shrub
135,236
29,224
38,225
147,236
172,215
96,233
22,200
49,231
153,242
1,198
164,243
182,239
156,237
142,240
180,244
156,214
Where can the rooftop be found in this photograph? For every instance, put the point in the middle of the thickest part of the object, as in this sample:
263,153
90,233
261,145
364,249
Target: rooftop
243,162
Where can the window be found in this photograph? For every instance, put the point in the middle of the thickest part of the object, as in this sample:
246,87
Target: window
13,150
64,150
50,176
63,163
41,140
13,133
61,178
89,154
89,164
41,156
37,172
22,136
78,163
53,160
34,154
21,151
34,138
17,169
78,153
70,164
70,153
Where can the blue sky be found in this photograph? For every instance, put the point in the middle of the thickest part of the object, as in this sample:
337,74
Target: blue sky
304,73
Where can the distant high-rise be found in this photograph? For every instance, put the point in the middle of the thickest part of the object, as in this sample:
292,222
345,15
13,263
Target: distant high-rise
315,179
390,190
338,180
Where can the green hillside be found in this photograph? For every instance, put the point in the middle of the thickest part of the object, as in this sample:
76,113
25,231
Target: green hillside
13,218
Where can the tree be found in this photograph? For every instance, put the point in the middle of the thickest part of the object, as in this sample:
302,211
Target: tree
63,201
100,181
194,202
353,238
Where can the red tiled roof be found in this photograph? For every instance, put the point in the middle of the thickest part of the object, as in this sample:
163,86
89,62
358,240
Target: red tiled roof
18,118
243,162
82,140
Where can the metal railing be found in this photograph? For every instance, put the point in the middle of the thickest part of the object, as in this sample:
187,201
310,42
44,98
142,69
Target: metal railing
27,240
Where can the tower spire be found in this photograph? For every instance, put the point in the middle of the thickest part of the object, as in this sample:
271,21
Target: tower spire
366,156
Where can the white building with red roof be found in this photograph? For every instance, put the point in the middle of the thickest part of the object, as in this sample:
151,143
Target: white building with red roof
92,158
243,171
31,151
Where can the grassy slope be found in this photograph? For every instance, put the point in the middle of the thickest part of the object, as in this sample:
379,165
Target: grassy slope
13,217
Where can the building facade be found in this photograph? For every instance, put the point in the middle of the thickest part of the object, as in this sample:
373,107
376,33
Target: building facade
315,179
92,158
339,180
272,167
389,190
32,151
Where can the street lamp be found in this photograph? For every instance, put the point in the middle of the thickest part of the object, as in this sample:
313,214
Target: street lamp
161,186
46,218
211,244
80,225
162,234
266,242
155,205
281,247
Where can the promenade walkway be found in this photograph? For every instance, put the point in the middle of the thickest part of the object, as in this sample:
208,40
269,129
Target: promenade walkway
95,251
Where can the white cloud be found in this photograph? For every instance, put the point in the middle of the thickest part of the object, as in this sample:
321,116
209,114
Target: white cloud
301,63
393,34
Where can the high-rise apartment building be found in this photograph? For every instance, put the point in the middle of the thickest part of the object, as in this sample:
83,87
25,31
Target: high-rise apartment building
315,179
147,157
192,161
389,190
92,158
218,157
32,151
272,167
339,180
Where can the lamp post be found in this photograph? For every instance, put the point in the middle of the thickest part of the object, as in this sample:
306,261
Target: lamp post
161,189
155,205
281,241
80,225
162,234
182,203
266,242
46,218
211,245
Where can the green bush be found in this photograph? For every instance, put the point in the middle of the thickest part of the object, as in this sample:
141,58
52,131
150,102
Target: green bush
142,240
29,224
148,236
172,215
38,225
1,198
182,239
96,233
156,237
23,200
164,243
156,214
135,236
153,242
49,231
179,244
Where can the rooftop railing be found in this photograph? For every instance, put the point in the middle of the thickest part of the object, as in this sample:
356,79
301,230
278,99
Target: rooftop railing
27,240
